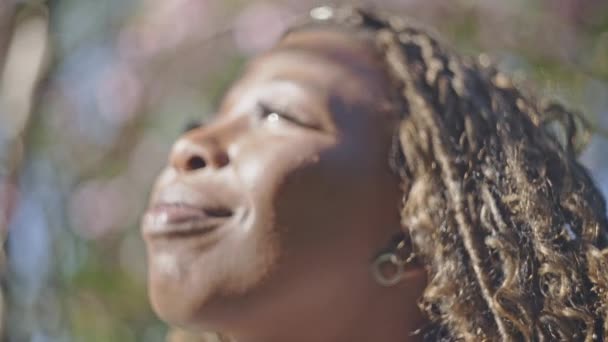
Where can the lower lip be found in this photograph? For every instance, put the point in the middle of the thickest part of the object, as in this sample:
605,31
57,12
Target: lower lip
178,222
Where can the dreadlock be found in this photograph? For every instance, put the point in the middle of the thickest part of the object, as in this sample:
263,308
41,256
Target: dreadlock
511,227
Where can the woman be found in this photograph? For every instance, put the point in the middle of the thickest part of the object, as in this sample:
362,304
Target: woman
362,183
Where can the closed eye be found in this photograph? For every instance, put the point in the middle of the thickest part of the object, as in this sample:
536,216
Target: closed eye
274,115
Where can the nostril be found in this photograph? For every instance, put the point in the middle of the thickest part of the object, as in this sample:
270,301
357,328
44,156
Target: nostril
195,163
222,160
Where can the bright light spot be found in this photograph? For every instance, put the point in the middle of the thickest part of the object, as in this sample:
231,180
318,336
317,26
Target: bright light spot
322,13
273,117
570,232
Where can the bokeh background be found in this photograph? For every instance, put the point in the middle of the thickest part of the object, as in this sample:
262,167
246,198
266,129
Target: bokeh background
93,93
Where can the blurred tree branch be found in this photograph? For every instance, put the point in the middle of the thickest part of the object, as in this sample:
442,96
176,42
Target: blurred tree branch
7,11
23,51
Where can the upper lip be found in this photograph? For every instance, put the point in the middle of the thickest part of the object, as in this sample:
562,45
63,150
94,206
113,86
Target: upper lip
180,219
180,211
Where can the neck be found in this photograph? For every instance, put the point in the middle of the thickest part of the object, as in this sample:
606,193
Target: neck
360,313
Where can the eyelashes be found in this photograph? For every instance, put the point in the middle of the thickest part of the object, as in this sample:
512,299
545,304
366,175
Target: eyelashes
264,112
270,114
273,115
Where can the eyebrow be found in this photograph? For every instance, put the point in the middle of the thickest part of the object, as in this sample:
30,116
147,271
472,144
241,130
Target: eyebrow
277,79
324,114
297,83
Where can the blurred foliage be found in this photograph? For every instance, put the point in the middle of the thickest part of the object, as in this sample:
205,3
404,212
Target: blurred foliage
126,75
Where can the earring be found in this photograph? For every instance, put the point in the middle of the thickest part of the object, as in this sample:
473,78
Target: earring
392,258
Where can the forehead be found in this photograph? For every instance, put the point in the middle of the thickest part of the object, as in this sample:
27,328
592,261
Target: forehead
321,60
333,43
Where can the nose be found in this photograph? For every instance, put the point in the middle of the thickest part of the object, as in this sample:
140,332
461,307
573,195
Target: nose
196,150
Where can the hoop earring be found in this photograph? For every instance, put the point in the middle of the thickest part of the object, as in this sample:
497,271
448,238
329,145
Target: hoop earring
392,258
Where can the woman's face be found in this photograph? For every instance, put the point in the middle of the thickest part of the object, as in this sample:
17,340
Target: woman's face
286,196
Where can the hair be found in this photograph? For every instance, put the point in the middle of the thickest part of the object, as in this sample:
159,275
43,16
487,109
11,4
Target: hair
511,228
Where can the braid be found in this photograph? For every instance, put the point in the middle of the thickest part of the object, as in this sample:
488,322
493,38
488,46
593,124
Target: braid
418,51
511,227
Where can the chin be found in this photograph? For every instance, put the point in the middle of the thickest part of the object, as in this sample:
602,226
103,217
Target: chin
174,296
176,312
204,291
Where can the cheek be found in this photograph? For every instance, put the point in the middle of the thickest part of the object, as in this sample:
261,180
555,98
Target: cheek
336,190
265,163
310,191
282,176
349,192
285,175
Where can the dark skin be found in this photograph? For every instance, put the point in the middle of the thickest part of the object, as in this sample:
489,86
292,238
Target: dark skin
265,222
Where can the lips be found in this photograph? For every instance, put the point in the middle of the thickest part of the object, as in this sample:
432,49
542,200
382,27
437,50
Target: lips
181,220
